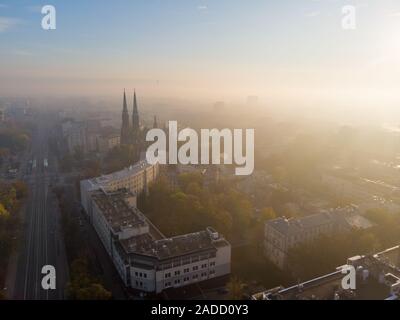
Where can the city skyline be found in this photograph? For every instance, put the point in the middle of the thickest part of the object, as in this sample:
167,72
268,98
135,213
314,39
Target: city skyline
286,51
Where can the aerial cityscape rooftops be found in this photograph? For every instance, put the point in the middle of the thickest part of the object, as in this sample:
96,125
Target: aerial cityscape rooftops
175,246
378,278
136,168
117,211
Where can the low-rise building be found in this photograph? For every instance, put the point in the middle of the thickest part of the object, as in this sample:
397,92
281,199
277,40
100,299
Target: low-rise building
377,277
107,142
282,234
74,134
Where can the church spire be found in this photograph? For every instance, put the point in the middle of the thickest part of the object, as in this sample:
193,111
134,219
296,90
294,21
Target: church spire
135,113
125,104
125,122
155,124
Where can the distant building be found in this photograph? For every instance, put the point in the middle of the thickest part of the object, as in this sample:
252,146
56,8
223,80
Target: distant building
149,264
282,234
74,134
2,115
107,142
137,178
377,278
252,101
219,106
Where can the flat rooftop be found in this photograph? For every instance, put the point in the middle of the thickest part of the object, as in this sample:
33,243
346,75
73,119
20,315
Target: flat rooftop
172,247
329,287
122,174
346,216
117,211
286,226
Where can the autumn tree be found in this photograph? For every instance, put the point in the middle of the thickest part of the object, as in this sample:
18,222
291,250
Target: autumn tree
235,288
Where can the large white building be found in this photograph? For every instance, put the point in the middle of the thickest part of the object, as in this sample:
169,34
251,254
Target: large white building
136,178
145,262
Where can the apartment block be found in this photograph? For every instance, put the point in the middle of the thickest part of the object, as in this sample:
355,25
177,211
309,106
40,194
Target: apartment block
136,178
282,234
377,277
144,261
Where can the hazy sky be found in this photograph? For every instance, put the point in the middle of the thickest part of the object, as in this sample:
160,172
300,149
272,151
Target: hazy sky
222,49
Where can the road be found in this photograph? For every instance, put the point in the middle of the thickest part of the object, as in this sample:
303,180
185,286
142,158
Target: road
42,244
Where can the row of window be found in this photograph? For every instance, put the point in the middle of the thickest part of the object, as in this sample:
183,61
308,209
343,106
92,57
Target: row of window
121,183
187,270
140,275
186,261
195,277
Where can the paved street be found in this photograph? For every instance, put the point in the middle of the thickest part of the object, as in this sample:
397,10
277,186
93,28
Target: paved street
42,244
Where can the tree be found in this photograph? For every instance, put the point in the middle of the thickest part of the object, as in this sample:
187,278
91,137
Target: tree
92,169
94,291
66,163
82,285
78,153
235,288
21,189
118,158
3,212
267,214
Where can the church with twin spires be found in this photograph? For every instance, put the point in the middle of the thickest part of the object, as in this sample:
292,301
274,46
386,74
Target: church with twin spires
132,134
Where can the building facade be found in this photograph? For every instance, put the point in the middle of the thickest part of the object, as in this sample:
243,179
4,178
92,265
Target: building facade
377,277
149,264
282,234
74,134
107,142
137,179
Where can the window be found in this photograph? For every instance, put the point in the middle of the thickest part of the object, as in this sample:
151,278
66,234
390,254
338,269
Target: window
212,264
136,274
195,268
186,270
195,276
168,275
203,266
212,272
177,281
167,284
186,279
145,275
177,273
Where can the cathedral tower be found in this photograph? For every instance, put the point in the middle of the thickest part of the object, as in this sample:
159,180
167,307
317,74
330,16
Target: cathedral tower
125,130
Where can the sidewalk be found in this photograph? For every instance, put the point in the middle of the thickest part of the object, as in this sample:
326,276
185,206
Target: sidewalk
11,274
13,260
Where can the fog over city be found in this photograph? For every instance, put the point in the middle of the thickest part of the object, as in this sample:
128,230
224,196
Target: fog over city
175,152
